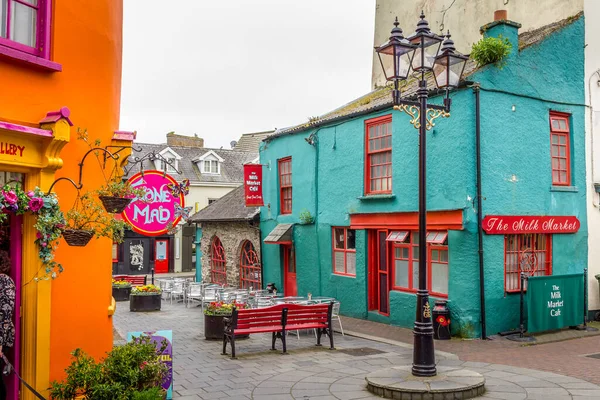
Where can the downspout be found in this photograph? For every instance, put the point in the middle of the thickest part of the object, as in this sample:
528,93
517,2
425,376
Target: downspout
316,144
198,253
476,92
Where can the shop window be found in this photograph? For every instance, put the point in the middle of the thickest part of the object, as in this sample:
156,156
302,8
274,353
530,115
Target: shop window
530,254
285,185
406,263
378,157
218,263
560,149
115,252
249,267
24,26
344,251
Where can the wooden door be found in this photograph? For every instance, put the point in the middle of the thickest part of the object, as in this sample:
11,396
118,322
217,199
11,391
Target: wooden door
289,271
161,256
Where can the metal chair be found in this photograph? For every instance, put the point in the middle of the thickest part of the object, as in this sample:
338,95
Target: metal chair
335,313
177,290
194,292
210,294
166,285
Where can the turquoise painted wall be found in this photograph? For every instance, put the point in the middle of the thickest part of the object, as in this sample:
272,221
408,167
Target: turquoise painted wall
328,181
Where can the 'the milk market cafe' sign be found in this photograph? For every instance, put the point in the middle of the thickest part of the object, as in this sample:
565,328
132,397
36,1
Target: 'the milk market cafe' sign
163,206
509,224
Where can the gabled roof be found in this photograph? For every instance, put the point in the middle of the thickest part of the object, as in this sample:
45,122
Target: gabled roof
208,153
381,97
170,150
251,141
228,208
232,167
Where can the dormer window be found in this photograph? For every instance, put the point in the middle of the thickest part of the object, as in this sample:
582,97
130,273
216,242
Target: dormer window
168,162
209,163
165,166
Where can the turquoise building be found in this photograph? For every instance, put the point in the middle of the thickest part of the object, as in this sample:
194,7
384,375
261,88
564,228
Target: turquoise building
341,191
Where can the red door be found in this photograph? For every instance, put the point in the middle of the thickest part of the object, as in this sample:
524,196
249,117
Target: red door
379,272
161,256
289,271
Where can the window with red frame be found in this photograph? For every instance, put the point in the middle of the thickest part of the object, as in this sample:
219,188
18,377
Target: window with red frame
285,185
528,253
560,149
249,267
24,26
378,158
344,251
406,263
218,263
115,252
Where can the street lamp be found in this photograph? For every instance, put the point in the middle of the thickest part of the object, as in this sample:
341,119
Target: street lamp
422,52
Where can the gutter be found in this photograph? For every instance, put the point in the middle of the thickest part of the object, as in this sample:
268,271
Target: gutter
476,92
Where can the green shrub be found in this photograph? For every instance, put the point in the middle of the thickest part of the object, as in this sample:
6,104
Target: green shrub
491,50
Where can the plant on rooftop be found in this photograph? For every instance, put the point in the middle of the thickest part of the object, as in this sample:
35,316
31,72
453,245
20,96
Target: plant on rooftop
491,50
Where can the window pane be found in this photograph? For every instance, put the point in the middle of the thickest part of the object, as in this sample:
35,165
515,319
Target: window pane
563,163
554,124
415,266
351,263
563,177
405,253
554,176
351,239
339,261
339,238
554,151
3,13
562,124
444,255
435,255
554,139
401,274
439,278
23,24
415,252
562,139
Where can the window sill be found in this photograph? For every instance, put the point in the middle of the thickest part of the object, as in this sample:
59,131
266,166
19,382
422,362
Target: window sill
343,275
572,189
38,62
369,197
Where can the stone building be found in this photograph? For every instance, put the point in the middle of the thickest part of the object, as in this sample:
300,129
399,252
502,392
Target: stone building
230,241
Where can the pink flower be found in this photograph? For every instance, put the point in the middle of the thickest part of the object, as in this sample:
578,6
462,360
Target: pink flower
35,204
44,244
10,197
38,235
30,193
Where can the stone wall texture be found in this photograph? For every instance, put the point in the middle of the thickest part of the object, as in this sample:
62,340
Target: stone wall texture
232,236
184,141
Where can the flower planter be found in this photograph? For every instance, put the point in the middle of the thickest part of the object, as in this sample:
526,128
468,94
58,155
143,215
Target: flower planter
145,302
121,293
114,205
77,237
214,328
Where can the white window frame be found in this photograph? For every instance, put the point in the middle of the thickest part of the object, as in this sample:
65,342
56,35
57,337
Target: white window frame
209,171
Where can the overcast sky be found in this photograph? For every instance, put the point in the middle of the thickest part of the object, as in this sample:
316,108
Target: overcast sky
221,68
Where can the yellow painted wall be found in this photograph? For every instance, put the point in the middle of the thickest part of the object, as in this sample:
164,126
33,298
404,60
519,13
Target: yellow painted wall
87,41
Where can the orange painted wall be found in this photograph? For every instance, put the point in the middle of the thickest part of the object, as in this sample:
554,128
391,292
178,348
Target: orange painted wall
87,41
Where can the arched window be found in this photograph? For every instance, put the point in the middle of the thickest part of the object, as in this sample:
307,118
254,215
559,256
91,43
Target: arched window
218,264
249,267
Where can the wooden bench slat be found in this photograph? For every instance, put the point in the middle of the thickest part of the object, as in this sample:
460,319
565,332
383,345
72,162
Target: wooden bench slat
265,329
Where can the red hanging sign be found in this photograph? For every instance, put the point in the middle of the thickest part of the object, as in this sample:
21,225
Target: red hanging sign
253,185
513,224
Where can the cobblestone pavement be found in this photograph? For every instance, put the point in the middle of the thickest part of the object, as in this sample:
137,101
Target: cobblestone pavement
566,357
309,372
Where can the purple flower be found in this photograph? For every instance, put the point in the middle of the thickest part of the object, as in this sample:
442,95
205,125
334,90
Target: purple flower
10,197
35,204
13,207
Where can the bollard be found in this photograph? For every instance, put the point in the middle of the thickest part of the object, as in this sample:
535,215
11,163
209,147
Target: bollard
153,275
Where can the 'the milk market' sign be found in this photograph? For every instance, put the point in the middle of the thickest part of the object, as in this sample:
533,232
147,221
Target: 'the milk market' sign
554,302
162,207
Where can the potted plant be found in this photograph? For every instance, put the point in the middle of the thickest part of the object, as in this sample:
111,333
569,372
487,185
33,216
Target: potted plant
116,195
88,219
121,290
145,298
131,371
215,312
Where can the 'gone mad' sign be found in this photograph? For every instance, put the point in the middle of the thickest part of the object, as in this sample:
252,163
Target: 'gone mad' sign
162,205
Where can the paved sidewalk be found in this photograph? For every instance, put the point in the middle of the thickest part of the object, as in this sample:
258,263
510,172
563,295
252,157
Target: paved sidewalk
565,357
309,372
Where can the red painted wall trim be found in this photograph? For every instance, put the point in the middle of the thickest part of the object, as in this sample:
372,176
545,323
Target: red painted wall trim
452,219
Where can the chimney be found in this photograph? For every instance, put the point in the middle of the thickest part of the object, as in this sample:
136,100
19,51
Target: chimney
503,27
184,141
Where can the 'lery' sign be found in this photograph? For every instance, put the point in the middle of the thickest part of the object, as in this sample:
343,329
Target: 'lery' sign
161,208
508,224
253,185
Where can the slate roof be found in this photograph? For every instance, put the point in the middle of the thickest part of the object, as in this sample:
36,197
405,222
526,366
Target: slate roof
232,170
380,98
230,207
250,141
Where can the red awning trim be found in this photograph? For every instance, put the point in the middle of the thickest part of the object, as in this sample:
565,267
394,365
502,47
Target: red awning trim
397,236
437,237
436,220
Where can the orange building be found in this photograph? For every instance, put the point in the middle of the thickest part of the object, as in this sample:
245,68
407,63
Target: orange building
60,68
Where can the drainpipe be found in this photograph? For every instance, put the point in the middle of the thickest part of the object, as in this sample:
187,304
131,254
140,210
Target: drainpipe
316,144
476,92
198,253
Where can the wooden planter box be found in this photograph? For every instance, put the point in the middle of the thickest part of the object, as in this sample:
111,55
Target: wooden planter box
146,302
214,328
121,293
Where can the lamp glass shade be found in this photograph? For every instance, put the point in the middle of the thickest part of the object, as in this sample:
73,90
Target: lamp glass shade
395,60
426,52
448,70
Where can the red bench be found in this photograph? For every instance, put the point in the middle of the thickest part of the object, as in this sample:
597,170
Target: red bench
135,280
277,320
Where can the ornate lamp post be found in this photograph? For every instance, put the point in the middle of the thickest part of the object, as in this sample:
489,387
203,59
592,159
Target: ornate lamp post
421,53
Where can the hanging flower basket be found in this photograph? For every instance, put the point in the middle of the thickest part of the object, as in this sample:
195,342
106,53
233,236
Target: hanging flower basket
115,205
77,237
